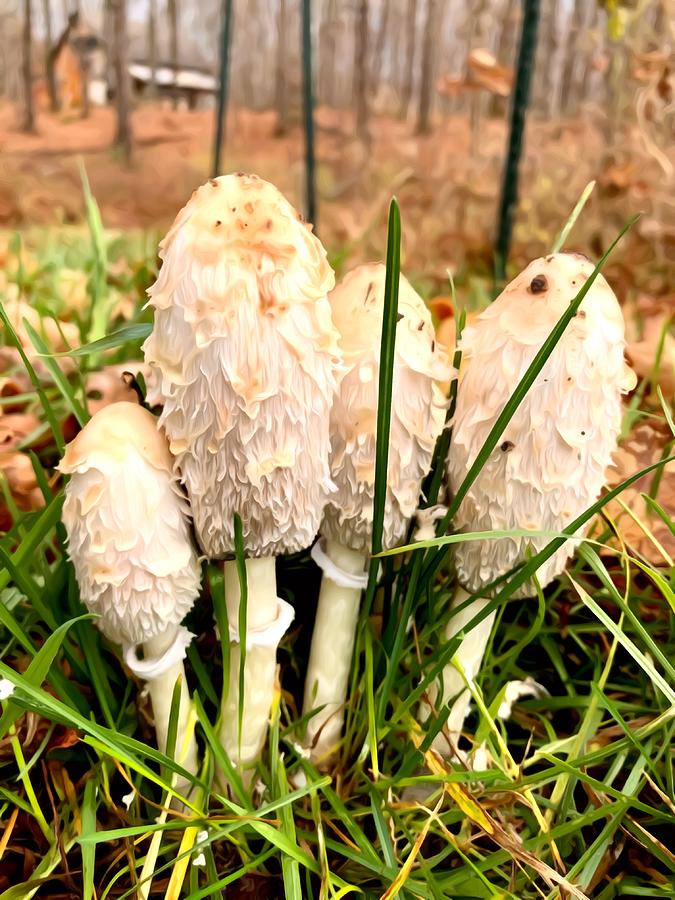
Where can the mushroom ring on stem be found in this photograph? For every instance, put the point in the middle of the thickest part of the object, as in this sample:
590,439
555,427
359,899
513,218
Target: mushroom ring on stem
418,415
550,463
245,355
127,522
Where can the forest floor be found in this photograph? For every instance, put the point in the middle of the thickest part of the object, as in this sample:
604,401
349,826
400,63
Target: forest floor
577,789
447,184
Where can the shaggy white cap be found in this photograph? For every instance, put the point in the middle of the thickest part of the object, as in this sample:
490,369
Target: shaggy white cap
550,463
245,352
417,415
127,525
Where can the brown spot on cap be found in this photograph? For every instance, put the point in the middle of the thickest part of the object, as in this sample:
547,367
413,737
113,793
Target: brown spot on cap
539,284
213,182
249,208
218,222
506,446
421,325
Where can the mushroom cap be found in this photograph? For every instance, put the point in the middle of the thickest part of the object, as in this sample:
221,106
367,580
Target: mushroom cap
127,525
549,465
417,415
245,352
111,434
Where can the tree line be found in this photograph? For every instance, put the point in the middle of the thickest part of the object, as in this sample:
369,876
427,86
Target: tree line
419,59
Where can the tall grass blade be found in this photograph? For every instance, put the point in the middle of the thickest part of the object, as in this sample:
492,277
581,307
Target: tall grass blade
564,232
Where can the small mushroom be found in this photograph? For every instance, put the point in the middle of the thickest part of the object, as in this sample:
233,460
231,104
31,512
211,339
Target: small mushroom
418,415
245,353
550,464
127,523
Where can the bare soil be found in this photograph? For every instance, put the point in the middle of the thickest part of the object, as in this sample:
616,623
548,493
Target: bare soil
447,188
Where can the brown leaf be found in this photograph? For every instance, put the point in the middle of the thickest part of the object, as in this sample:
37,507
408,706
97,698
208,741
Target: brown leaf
109,385
643,446
14,427
63,737
643,354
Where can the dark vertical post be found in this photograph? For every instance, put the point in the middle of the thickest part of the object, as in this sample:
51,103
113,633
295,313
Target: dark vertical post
27,68
521,93
308,109
221,109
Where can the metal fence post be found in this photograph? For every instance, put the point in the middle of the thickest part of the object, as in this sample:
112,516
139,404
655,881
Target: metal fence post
521,93
221,108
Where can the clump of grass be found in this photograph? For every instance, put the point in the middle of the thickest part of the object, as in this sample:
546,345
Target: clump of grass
579,799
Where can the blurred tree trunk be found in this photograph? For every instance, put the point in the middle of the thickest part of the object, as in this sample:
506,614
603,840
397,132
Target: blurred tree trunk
579,53
546,98
426,78
477,39
123,134
327,51
250,60
361,68
28,123
506,49
407,87
84,69
281,99
49,65
380,41
172,10
152,46
572,53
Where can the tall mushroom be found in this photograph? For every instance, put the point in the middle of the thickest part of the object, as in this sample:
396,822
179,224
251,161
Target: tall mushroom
418,413
245,354
550,463
128,538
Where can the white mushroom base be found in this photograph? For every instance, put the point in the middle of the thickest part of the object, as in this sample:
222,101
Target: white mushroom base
160,688
469,655
268,619
332,647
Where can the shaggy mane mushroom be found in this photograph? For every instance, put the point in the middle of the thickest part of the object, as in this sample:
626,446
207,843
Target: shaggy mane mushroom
550,463
245,352
418,414
128,539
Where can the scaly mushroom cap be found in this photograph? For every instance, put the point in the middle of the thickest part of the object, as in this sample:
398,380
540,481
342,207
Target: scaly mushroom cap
550,463
127,525
245,352
418,409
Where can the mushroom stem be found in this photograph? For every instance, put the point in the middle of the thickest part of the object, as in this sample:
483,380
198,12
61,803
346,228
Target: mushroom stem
262,639
332,646
161,690
469,655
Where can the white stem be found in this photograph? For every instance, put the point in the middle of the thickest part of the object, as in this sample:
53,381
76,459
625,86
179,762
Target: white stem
160,690
260,665
331,653
470,656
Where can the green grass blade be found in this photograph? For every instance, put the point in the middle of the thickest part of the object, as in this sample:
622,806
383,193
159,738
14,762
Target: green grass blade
58,377
88,812
564,233
243,617
46,405
128,334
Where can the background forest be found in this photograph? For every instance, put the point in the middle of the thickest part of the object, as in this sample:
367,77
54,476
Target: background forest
108,122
